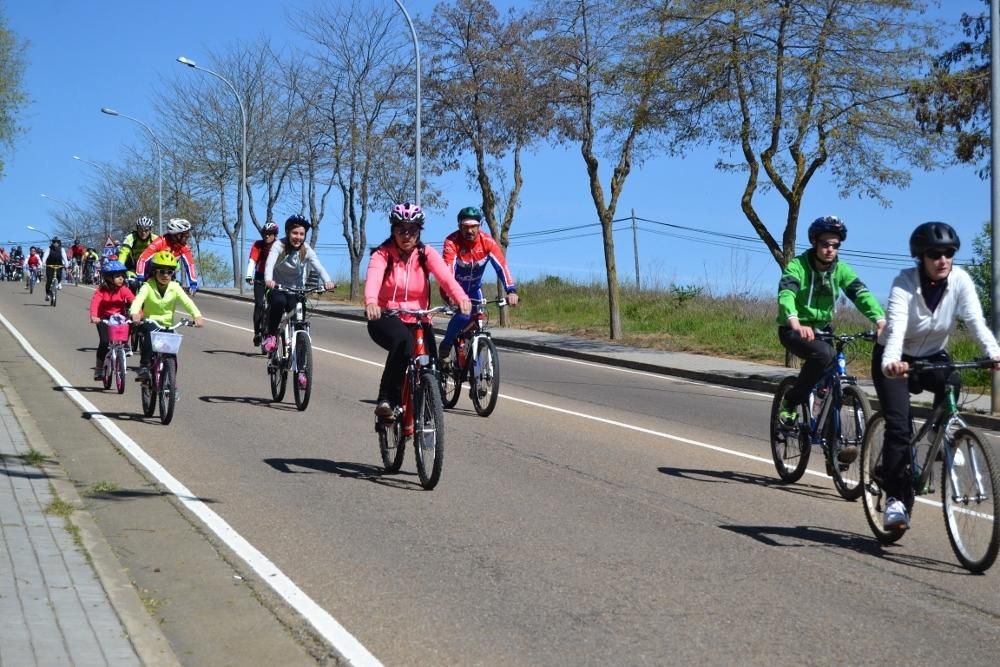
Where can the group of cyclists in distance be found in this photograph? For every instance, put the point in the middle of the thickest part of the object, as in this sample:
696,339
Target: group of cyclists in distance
925,302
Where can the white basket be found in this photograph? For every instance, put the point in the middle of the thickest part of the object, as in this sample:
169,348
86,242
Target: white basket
165,342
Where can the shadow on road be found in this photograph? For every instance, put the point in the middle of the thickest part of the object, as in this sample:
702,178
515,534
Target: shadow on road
724,476
20,460
362,471
236,352
132,494
137,417
249,400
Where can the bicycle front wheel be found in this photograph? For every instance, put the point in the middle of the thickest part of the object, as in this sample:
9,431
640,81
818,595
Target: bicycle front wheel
120,370
485,381
874,497
855,410
969,501
392,445
302,386
277,371
108,369
790,446
428,434
168,389
148,394
54,291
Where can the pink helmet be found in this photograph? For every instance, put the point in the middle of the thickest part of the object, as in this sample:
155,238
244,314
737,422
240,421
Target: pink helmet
406,212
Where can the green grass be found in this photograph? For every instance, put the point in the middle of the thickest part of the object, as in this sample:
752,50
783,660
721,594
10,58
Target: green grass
101,488
33,457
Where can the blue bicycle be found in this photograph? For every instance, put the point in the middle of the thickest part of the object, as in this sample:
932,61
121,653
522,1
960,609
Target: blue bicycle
833,417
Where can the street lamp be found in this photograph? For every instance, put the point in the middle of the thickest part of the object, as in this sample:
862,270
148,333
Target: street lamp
76,232
416,50
244,212
111,184
159,162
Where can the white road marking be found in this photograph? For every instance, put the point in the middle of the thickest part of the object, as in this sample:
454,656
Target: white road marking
325,624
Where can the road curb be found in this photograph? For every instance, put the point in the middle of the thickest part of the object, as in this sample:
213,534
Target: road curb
762,383
145,635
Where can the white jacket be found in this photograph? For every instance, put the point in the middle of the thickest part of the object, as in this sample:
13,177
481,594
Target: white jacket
912,328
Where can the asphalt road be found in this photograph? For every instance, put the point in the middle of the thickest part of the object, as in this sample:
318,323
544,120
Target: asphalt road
599,516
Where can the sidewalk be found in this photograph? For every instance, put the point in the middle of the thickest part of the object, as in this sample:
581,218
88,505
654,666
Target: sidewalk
715,370
64,598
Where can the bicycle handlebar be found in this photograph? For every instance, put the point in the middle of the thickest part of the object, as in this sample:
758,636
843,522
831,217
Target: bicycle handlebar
185,322
846,338
920,366
396,312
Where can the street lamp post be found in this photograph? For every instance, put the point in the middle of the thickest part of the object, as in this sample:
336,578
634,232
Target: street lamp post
38,231
244,212
416,50
76,230
159,163
111,184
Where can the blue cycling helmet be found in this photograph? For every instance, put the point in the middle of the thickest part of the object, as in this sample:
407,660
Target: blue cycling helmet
112,267
828,224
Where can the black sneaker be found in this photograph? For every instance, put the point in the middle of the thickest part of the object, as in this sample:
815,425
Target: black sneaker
847,454
98,372
142,374
383,409
256,340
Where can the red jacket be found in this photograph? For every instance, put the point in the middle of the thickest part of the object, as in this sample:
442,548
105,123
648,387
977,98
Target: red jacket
106,302
180,250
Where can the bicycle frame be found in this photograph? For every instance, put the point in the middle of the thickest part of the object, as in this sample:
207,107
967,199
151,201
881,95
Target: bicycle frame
833,382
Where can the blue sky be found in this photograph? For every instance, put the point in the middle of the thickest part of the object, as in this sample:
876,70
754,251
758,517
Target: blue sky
85,55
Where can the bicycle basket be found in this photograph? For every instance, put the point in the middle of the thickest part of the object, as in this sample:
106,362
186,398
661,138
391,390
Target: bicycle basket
118,333
165,342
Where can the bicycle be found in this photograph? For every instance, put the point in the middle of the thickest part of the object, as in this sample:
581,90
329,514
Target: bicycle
293,352
421,414
969,477
833,416
474,357
114,361
161,387
32,279
75,272
54,285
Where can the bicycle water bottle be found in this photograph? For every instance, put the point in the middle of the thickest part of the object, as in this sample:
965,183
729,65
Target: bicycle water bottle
460,352
419,351
841,364
298,311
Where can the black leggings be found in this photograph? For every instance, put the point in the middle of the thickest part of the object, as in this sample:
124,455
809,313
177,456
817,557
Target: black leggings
278,303
397,337
102,343
50,273
819,356
894,399
259,297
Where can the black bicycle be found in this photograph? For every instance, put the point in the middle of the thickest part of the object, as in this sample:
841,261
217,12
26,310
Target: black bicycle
833,417
474,358
969,477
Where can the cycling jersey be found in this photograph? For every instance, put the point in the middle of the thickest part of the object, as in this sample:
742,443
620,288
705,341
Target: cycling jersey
180,250
77,250
160,307
132,248
468,263
258,258
810,295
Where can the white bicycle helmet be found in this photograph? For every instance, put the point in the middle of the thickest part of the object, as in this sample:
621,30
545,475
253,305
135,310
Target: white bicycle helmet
178,226
144,222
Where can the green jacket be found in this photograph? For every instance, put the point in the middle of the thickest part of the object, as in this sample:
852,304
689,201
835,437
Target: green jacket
810,295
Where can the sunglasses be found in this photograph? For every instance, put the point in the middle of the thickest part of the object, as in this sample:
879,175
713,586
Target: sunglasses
164,272
938,254
407,231
830,244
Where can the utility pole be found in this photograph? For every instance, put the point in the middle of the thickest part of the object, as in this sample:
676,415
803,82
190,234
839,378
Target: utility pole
635,250
995,186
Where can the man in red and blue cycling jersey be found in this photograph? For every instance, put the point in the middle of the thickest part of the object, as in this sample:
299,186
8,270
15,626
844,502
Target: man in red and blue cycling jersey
467,252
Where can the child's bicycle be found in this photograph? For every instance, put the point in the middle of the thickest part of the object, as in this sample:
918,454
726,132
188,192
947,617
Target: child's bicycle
474,358
969,479
32,278
114,360
293,352
161,387
421,415
833,416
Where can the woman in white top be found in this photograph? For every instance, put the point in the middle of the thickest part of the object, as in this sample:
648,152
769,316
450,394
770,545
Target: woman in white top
923,306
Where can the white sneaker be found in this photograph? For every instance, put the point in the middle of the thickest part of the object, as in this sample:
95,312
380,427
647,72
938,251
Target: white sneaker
895,517
59,286
959,459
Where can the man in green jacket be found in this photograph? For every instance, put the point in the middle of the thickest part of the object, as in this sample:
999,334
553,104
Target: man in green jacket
807,292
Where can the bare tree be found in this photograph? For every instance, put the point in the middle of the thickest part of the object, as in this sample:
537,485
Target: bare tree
360,70
12,95
802,85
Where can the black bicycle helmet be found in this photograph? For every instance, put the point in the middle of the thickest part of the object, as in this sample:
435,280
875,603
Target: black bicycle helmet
933,235
296,220
828,224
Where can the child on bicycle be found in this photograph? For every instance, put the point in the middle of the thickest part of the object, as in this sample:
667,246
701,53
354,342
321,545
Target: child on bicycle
111,298
286,267
398,277
923,305
157,299
807,292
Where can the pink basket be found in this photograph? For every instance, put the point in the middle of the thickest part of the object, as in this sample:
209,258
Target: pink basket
118,333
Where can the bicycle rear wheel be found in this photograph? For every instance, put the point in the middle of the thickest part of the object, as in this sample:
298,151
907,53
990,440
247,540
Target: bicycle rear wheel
874,497
120,369
451,382
969,501
485,377
302,382
147,392
428,433
790,446
52,294
277,370
168,389
855,410
391,444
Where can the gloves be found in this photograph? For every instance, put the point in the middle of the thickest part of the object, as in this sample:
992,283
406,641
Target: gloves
192,286
249,280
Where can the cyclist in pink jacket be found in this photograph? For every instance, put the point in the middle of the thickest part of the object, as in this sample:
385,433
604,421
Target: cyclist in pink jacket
398,277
